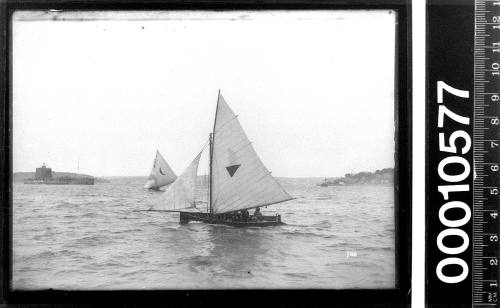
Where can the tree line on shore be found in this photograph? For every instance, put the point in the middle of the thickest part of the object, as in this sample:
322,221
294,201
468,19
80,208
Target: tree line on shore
382,176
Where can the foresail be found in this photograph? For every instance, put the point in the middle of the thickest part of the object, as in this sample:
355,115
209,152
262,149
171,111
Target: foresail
239,178
181,193
161,174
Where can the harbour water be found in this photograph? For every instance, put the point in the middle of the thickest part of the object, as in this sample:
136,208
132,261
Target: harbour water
91,237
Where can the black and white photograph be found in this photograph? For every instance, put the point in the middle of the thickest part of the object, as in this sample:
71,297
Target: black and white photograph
184,149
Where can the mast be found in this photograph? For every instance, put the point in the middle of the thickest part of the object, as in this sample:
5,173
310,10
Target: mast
210,176
212,135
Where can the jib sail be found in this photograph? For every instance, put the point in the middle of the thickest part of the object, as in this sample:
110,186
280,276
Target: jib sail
181,193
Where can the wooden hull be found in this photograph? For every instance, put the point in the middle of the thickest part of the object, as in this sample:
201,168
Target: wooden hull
264,221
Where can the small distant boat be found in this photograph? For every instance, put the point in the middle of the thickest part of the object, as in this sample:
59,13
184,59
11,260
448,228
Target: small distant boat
324,184
161,174
238,180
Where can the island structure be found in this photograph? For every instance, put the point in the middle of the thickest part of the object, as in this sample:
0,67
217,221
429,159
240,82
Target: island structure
383,176
44,175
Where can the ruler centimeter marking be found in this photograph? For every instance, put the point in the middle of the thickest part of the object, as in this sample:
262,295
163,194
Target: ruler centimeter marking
486,203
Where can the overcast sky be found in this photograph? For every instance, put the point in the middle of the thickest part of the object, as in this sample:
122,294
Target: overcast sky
314,91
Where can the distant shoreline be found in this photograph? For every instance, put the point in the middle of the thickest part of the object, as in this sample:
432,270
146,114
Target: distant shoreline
382,176
361,178
20,176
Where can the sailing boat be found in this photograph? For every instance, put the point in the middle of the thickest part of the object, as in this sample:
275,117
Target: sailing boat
324,184
238,180
161,174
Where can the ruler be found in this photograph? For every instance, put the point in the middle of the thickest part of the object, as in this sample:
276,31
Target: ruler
486,145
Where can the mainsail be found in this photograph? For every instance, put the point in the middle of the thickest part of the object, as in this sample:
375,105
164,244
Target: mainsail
239,178
161,174
181,193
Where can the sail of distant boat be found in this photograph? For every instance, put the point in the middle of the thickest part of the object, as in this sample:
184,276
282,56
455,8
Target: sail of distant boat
181,194
161,173
239,179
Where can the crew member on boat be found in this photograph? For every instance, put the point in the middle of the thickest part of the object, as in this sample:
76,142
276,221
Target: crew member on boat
257,214
245,215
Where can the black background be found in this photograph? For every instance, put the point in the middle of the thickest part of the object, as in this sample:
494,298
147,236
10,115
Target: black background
450,47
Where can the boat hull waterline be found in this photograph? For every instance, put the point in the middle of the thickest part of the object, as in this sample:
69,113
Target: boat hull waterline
264,221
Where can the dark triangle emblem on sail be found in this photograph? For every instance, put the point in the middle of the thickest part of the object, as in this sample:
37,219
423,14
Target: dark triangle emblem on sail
232,169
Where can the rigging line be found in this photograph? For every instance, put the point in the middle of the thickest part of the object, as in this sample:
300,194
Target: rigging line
233,198
224,124
281,186
242,147
224,184
261,205
173,210
206,144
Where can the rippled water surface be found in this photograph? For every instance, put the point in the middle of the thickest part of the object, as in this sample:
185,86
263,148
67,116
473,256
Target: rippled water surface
89,237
